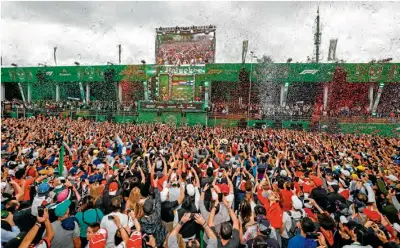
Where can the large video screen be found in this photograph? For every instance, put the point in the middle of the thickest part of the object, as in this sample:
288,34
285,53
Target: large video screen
185,48
182,88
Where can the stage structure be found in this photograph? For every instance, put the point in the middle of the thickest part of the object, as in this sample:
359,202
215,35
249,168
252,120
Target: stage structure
179,93
176,90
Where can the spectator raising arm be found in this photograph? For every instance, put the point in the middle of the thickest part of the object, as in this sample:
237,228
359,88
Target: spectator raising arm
135,221
124,233
172,239
27,241
212,238
235,221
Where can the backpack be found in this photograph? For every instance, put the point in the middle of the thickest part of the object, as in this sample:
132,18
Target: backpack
293,230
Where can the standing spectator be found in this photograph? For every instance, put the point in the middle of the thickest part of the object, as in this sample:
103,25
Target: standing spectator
151,222
65,228
108,221
87,216
168,207
228,235
291,219
46,241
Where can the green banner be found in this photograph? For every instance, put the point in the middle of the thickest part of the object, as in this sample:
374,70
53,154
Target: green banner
223,72
61,162
380,73
274,72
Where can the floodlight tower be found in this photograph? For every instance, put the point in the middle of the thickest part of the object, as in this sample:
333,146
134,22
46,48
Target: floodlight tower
317,37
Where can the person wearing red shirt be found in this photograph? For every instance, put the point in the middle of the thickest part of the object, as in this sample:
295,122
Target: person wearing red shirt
286,196
270,201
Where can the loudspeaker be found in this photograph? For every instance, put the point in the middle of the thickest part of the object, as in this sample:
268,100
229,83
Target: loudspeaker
260,125
242,123
109,117
277,124
298,127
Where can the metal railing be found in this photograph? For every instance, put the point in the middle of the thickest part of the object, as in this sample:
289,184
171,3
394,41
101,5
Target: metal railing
259,117
75,112
93,114
362,119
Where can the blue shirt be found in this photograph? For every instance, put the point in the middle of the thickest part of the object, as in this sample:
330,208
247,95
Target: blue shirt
299,241
7,235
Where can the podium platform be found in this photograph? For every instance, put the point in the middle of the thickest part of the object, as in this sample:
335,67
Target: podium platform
172,112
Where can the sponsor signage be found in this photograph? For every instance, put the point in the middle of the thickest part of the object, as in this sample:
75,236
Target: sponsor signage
172,106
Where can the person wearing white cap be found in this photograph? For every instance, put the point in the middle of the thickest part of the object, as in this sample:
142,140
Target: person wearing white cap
290,219
393,179
109,157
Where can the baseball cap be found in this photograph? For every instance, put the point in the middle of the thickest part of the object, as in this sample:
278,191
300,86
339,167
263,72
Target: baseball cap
190,189
346,173
296,203
99,240
360,168
263,224
371,214
224,188
164,194
148,206
392,178
62,208
63,195
159,174
11,173
396,226
343,219
135,240
43,188
317,181
113,188
93,178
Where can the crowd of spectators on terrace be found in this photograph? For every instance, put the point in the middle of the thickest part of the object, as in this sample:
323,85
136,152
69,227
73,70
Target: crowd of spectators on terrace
298,109
65,105
389,105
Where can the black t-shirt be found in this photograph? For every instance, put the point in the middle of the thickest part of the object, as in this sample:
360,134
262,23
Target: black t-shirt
332,198
167,210
234,242
206,180
320,196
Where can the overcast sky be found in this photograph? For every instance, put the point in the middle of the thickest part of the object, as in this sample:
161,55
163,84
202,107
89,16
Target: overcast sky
90,31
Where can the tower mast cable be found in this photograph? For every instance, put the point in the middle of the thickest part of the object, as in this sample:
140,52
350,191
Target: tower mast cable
317,37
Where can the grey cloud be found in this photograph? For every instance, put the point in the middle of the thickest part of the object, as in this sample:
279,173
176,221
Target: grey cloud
365,30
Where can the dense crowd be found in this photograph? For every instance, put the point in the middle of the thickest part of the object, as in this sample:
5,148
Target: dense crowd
390,104
56,107
190,52
68,183
298,109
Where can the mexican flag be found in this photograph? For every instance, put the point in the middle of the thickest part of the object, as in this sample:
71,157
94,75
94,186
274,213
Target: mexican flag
61,162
